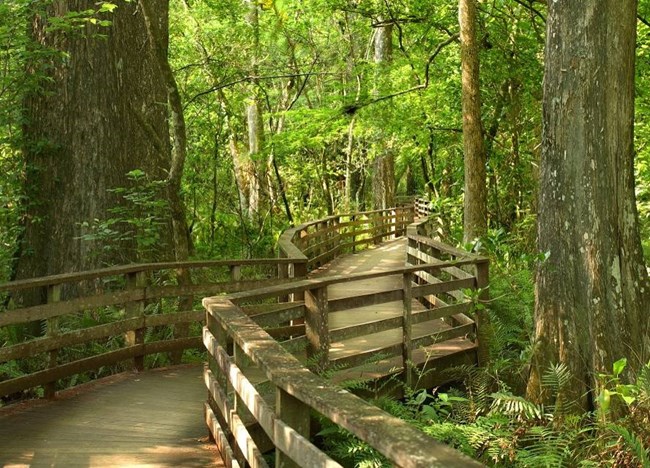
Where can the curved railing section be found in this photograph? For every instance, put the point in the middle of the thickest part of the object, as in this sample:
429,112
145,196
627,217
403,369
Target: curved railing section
265,354
108,318
318,242
104,321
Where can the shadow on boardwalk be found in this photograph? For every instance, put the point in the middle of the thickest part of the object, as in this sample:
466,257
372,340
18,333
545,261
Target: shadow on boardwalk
151,419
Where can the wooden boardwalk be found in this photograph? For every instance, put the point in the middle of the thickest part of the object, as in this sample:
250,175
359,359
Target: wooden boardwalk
148,419
155,418
387,256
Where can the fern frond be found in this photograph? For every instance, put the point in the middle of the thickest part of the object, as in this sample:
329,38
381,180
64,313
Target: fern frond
633,442
643,382
515,406
557,377
556,380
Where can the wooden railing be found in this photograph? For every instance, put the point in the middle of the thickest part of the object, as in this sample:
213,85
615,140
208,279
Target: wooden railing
423,250
318,242
422,207
284,413
101,318
98,320
248,343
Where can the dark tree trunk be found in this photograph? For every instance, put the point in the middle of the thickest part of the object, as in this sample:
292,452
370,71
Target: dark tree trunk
475,201
102,114
592,293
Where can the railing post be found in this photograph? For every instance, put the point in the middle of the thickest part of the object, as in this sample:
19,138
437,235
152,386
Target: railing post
317,327
483,328
221,336
53,296
407,330
297,271
135,281
235,273
185,304
353,221
294,413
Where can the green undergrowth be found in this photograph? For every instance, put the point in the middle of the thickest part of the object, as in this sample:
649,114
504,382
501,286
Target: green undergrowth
485,420
485,415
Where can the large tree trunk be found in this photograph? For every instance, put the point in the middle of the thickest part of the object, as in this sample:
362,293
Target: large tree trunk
158,38
475,201
383,175
102,114
592,292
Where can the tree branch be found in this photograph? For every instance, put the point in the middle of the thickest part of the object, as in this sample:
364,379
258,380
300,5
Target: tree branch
351,109
531,8
252,78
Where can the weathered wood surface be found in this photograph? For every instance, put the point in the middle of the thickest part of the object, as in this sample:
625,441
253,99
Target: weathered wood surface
402,443
147,419
357,350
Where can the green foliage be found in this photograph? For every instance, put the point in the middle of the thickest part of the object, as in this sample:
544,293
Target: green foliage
348,450
135,230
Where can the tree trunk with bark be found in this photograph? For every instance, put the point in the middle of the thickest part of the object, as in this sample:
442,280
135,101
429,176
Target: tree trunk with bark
475,201
592,293
102,114
383,176
254,123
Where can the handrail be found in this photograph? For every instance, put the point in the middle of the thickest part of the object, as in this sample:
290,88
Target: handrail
240,345
297,392
122,305
52,280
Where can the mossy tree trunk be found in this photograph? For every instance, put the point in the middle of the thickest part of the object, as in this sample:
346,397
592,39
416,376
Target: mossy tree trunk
102,113
592,293
475,200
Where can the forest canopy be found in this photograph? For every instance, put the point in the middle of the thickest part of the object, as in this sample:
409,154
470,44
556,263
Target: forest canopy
155,130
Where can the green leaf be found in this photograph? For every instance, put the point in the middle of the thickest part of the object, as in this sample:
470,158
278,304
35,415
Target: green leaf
604,400
619,366
107,7
628,399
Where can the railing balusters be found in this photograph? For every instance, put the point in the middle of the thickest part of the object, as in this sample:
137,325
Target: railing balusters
317,327
53,296
135,281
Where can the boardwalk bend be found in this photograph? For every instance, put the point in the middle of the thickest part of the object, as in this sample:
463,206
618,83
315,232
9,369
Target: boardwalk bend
284,337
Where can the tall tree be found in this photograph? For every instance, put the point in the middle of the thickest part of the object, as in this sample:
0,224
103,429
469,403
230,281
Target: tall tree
592,292
254,122
101,114
383,177
475,201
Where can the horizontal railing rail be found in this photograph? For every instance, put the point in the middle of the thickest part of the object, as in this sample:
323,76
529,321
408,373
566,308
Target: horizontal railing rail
286,343
103,318
239,348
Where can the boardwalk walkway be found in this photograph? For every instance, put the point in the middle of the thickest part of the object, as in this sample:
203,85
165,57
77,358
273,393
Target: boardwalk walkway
155,418
151,419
